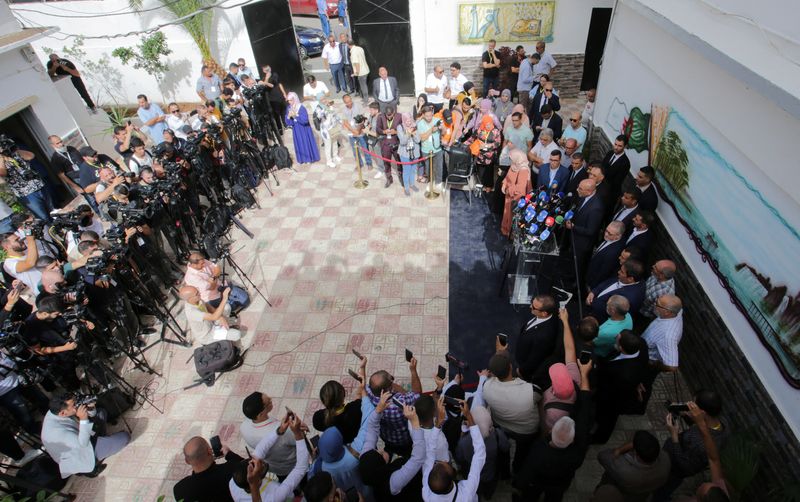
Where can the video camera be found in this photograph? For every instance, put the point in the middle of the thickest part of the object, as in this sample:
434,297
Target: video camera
70,221
7,145
255,92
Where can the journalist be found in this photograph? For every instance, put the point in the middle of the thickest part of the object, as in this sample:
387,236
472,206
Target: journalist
205,276
74,440
21,257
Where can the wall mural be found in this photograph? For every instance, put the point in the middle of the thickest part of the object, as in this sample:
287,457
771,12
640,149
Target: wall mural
737,230
505,22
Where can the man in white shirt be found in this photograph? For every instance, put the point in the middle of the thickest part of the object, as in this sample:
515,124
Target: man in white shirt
314,91
439,480
456,81
435,86
205,325
546,62
332,57
360,69
176,121
588,108
664,334
540,153
258,425
21,257
258,480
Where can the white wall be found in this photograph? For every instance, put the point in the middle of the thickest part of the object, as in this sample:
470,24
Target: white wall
643,65
230,42
20,80
434,31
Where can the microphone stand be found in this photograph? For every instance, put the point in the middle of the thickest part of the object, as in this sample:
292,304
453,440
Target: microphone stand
577,274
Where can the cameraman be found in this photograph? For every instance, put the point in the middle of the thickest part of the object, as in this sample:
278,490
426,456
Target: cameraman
23,180
205,324
21,257
40,231
70,438
12,391
205,276
47,335
88,223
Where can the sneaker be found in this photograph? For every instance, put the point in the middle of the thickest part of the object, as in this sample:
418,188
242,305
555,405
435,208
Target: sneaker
338,159
29,455
389,182
414,187
331,164
378,175
438,186
408,194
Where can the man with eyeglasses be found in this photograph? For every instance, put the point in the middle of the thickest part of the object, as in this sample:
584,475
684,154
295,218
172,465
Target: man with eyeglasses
67,160
544,96
574,131
538,338
435,86
176,122
660,283
244,70
664,334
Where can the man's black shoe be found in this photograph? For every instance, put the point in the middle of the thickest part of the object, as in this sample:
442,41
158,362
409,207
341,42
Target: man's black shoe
96,472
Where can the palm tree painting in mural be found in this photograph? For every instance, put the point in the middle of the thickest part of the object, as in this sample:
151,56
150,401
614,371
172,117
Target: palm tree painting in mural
670,160
198,26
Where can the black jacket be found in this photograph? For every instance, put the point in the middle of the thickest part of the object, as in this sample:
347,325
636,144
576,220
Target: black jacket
535,344
604,263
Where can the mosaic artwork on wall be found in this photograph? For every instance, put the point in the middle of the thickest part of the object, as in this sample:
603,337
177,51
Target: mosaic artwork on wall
729,220
505,22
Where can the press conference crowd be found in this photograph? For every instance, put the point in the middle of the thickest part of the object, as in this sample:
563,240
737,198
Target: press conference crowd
542,398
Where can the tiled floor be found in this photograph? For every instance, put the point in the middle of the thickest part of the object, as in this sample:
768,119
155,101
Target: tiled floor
343,268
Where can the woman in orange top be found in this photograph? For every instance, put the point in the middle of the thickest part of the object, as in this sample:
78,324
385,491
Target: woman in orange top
484,146
516,184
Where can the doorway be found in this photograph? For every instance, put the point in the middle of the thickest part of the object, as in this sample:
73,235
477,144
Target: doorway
28,133
382,28
272,38
595,44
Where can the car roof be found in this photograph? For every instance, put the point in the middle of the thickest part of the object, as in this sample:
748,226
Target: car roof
305,30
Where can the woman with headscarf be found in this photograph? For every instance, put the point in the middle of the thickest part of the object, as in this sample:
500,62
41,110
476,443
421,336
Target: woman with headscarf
416,111
516,184
408,150
305,146
503,105
484,145
484,109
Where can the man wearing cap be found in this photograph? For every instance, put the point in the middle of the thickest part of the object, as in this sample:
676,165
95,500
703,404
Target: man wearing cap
558,401
525,79
89,170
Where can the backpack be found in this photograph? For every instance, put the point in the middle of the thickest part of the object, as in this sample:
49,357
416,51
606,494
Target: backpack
242,196
216,357
282,158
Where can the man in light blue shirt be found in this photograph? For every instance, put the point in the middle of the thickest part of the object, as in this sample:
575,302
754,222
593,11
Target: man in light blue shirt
574,130
525,79
153,119
322,11
209,85
430,142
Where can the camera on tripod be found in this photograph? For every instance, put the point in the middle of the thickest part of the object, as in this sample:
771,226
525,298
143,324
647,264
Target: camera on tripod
255,92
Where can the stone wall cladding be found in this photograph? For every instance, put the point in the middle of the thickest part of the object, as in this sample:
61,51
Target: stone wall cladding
567,75
711,358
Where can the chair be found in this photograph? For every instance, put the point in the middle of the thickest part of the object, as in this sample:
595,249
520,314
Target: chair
460,169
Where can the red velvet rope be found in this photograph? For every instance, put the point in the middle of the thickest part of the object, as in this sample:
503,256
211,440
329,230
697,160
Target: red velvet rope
421,159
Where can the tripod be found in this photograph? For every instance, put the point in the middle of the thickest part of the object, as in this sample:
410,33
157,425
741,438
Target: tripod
228,260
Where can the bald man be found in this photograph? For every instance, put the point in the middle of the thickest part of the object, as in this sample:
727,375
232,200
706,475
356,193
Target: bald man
661,282
206,324
665,333
585,225
574,130
208,480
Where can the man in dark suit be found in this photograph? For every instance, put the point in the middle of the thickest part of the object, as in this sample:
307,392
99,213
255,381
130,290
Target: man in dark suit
616,165
538,338
553,172
644,182
602,187
618,380
577,173
584,226
384,90
628,283
627,208
641,236
548,119
544,96
605,260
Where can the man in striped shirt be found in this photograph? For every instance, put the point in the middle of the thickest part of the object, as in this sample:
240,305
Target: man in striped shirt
664,334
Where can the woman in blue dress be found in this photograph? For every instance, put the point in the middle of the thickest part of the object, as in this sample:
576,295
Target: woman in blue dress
305,146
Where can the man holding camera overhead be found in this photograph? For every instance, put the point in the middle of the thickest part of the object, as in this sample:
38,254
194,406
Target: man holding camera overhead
75,441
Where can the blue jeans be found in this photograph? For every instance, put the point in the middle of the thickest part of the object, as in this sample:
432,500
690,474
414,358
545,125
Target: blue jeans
5,225
362,142
337,72
489,82
342,7
409,173
326,26
425,168
38,204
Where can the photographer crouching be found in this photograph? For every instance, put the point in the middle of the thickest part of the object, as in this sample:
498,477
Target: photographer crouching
74,434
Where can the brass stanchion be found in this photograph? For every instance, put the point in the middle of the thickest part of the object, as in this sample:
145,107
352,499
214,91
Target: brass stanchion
361,182
430,194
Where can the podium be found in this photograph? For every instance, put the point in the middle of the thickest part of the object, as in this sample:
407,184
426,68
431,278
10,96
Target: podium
530,255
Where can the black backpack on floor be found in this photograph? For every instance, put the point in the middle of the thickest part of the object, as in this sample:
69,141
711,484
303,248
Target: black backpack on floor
216,357
282,158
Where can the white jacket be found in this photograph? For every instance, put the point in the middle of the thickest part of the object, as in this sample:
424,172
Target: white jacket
69,443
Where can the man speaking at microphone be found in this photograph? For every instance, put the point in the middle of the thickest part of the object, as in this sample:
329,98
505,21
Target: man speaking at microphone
585,225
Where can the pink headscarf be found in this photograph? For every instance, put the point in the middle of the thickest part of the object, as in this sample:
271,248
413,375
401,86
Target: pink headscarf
294,101
525,121
408,122
519,159
486,105
563,386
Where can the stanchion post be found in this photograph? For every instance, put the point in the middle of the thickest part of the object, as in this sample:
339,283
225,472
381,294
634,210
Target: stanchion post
430,194
360,182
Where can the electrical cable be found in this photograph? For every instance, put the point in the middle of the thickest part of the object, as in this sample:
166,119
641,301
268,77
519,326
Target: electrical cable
86,15
155,28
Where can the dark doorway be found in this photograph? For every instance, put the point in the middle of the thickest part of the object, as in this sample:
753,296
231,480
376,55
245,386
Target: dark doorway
26,131
595,43
382,28
271,32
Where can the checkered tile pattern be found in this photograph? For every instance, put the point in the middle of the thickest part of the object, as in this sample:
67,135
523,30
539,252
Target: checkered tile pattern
343,268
